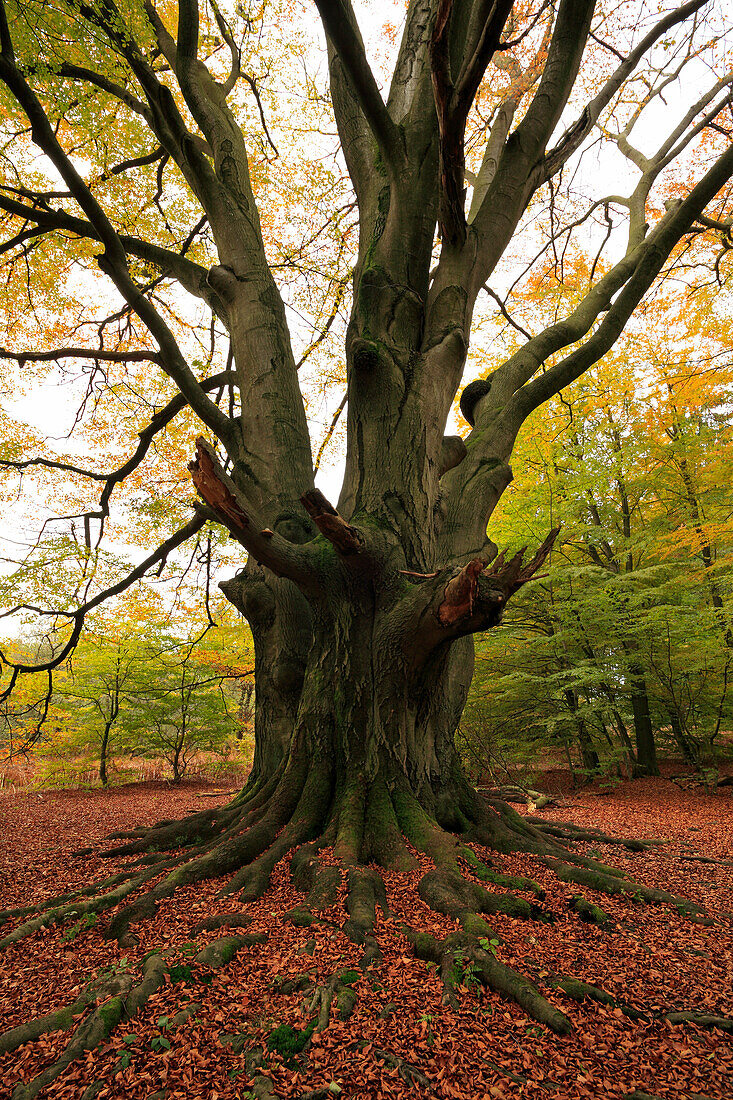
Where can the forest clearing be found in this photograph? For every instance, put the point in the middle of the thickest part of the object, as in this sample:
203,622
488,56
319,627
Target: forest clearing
366,565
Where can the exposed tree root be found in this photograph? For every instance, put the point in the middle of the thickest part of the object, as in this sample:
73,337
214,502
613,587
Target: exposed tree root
124,999
304,811
637,1094
576,833
581,991
457,950
409,1073
121,999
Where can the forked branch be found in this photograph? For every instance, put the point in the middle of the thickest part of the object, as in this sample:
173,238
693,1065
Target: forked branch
453,100
339,23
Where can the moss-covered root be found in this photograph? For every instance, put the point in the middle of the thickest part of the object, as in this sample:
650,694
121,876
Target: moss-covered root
577,833
580,991
77,909
448,892
222,951
612,884
460,950
339,989
63,1018
94,889
701,1019
486,873
224,920
587,911
168,835
366,891
97,1026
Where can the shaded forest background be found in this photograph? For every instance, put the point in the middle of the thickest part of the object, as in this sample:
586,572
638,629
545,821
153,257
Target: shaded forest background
616,660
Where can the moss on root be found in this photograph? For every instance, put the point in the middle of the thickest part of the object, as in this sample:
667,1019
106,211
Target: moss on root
305,811
587,911
222,951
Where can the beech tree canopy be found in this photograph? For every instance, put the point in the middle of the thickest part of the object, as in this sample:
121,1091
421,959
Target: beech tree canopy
488,109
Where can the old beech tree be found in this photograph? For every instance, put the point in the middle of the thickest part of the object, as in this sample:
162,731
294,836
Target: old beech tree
363,609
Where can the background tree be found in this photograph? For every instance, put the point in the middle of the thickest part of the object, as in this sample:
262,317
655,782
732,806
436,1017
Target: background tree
92,698
152,695
180,706
630,632
361,615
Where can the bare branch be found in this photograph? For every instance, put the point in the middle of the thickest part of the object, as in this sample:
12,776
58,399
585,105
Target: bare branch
649,259
329,433
576,134
157,558
80,353
113,261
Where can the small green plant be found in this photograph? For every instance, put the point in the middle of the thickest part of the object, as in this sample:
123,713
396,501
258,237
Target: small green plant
489,945
179,973
290,1041
87,921
427,1018
159,1042
164,1022
464,971
124,1060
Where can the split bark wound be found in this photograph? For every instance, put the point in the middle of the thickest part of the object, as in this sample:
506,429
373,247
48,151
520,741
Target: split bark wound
211,485
504,578
332,526
459,593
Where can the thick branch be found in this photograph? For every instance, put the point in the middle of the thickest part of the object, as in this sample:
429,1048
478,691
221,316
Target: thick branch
474,599
659,244
339,23
453,100
233,511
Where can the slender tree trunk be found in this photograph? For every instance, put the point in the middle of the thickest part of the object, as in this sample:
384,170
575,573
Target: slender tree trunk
684,741
588,755
646,751
103,777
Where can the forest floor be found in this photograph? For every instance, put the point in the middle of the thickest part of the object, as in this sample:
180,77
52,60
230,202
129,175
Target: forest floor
401,1040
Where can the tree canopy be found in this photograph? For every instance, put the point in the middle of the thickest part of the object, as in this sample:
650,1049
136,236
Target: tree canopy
483,148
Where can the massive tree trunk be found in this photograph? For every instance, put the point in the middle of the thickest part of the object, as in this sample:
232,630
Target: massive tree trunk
360,691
